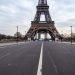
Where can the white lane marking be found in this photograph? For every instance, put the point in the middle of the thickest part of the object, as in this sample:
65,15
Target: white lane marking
39,71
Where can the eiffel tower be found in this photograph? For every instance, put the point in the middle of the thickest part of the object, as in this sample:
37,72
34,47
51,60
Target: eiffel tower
46,27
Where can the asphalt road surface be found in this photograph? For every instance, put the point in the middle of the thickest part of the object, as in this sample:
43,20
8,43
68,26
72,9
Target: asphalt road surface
50,58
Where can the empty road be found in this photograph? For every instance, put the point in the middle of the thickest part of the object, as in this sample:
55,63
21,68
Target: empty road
38,58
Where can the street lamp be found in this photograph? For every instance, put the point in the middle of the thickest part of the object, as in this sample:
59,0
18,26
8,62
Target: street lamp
71,34
17,33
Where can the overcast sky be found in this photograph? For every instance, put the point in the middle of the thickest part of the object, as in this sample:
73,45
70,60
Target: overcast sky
22,12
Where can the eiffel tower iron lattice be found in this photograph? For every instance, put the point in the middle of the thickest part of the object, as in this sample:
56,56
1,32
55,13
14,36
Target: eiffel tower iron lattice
47,26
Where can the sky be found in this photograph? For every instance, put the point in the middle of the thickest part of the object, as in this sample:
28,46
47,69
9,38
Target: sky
22,12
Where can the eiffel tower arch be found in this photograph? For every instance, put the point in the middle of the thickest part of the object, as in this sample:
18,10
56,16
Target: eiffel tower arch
38,27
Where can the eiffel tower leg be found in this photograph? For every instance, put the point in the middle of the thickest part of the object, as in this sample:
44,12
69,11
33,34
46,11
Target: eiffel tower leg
53,38
32,38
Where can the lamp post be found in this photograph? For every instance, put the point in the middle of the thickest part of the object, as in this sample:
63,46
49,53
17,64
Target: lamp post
24,36
71,34
61,36
17,33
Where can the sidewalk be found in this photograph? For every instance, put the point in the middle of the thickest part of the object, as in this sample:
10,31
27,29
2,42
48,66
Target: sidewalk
13,43
66,42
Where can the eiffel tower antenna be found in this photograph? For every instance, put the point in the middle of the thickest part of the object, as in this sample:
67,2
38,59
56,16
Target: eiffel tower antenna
42,2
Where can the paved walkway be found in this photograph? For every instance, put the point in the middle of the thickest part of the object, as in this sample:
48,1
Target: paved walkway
13,43
66,42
